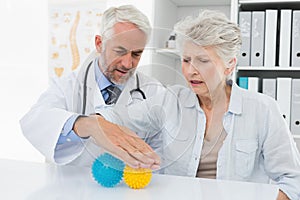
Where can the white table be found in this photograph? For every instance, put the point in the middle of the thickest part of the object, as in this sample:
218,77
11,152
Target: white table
26,180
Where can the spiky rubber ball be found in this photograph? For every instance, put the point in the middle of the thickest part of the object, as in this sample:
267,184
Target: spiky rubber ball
108,170
137,178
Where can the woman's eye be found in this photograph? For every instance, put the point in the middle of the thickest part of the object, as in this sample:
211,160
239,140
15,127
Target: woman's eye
204,61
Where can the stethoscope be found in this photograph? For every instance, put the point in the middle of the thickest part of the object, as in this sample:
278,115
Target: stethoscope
137,89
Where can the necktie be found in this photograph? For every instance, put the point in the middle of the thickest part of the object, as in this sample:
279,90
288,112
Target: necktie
113,94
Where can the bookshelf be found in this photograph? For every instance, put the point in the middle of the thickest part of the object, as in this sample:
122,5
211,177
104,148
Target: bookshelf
278,69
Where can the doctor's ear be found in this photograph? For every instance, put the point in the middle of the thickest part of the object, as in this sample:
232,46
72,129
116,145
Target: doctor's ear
231,65
98,43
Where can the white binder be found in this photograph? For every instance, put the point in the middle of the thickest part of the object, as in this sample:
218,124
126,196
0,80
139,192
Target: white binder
245,26
257,38
285,38
269,87
295,107
253,84
296,39
270,38
297,141
284,87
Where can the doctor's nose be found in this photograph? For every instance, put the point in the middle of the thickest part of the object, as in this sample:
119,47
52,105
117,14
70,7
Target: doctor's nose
127,60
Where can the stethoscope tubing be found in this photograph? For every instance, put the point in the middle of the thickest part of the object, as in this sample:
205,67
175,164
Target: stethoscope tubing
137,89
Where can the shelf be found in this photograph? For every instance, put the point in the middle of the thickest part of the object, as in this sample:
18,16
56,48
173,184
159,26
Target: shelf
268,72
262,5
174,53
201,3
267,1
296,136
242,68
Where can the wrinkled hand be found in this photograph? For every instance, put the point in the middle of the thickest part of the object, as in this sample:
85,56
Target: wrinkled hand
119,141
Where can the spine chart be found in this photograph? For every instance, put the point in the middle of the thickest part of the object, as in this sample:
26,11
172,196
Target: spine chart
73,43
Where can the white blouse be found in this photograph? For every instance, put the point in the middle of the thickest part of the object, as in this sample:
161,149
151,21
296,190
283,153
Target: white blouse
258,147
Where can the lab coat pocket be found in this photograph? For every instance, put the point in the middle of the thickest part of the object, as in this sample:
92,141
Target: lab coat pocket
245,157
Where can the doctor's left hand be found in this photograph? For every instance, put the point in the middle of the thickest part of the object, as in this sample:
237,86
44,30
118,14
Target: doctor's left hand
118,141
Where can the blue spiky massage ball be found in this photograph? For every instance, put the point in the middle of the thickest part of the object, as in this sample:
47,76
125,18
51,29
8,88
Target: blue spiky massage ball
108,170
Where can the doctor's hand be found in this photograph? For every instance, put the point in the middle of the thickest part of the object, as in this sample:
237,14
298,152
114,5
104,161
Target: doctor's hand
282,196
118,140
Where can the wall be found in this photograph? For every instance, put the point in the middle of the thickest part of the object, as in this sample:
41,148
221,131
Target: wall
163,67
24,67
194,10
23,71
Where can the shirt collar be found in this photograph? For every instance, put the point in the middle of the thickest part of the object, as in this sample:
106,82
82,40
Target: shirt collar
236,98
101,80
190,99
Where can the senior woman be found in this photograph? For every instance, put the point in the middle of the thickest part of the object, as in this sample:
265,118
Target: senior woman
214,129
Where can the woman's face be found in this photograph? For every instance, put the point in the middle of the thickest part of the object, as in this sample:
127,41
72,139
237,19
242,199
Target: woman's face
202,68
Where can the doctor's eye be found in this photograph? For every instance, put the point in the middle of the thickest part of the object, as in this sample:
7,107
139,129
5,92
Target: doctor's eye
186,60
120,52
136,54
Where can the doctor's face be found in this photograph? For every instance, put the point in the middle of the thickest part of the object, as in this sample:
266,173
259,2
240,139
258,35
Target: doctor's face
121,53
203,69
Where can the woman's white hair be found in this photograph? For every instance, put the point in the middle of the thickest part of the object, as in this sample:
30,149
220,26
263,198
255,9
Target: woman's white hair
125,13
211,28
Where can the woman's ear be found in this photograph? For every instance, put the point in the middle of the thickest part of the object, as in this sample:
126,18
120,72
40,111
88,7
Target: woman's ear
98,43
231,65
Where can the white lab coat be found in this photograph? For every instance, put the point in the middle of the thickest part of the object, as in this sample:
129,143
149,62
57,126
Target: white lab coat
43,124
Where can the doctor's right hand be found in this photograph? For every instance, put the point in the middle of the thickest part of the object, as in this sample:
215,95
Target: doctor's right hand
118,140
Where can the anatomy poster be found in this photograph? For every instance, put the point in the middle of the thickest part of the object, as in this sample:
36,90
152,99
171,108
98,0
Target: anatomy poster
71,35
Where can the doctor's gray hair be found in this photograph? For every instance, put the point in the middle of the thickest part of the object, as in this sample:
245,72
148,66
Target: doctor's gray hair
211,28
125,13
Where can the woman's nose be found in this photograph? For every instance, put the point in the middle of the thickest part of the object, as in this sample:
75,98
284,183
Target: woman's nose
192,69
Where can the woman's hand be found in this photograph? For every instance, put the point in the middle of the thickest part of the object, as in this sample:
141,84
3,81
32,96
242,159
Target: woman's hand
118,140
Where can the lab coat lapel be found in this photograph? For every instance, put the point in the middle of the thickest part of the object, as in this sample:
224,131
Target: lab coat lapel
92,95
78,90
98,98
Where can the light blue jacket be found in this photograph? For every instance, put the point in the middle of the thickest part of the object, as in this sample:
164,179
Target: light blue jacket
258,147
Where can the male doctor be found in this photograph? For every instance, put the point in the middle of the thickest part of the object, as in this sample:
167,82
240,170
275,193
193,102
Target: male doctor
62,124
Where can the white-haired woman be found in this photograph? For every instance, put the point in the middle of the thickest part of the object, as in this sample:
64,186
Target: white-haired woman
214,129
